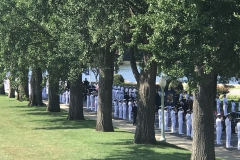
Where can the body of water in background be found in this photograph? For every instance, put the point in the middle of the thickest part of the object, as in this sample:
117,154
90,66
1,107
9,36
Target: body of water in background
126,72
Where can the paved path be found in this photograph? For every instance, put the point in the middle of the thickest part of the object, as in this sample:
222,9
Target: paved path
173,138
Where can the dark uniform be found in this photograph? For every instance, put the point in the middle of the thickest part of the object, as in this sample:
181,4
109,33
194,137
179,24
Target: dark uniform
134,110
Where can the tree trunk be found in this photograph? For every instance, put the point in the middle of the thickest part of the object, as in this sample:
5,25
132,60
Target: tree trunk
2,89
76,100
53,94
23,94
203,125
11,93
38,88
214,91
145,132
32,97
104,114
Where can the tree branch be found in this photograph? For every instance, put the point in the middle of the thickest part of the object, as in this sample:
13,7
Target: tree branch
134,65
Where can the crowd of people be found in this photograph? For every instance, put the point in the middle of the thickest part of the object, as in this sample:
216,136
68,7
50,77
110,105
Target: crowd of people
124,102
225,105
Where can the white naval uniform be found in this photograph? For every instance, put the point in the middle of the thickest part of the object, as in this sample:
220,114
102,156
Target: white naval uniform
173,119
88,102
130,92
121,96
120,107
218,101
192,125
122,89
115,108
218,130
238,106
160,118
67,96
180,96
238,134
96,103
225,105
124,105
92,100
228,132
166,119
187,96
233,106
188,123
64,97
180,121
130,110
126,90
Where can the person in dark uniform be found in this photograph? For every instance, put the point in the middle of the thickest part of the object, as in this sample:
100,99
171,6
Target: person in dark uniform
134,110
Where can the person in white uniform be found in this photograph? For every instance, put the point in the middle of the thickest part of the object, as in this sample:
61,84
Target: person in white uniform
186,96
166,118
124,105
159,117
88,101
180,96
228,130
130,104
173,119
115,104
218,128
192,124
188,122
238,132
121,96
239,105
180,120
233,105
218,103
92,100
64,97
67,97
120,107
96,102
225,105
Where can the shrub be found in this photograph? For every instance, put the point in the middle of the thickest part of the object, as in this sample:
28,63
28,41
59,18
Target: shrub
118,79
176,85
232,96
222,89
187,88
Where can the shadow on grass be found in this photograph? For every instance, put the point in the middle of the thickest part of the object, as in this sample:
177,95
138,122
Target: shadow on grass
140,151
52,120
60,124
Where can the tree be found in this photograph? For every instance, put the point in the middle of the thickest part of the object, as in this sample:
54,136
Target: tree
104,114
76,100
199,29
2,89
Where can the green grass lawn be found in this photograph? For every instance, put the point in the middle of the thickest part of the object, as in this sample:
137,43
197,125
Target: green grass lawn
31,133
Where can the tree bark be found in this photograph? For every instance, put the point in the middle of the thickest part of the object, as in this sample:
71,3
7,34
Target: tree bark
203,125
104,114
145,132
11,93
2,89
53,94
76,100
35,98
32,97
23,94
38,89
